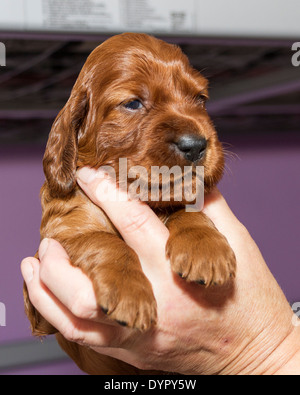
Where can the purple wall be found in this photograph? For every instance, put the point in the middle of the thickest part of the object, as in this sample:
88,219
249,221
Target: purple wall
262,187
21,177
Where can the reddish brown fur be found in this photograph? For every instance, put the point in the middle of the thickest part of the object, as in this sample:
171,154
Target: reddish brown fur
94,129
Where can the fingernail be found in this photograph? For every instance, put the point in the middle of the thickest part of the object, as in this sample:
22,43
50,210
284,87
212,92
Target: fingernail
43,248
27,271
86,175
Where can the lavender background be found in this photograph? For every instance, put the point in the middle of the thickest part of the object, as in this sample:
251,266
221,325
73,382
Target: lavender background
262,187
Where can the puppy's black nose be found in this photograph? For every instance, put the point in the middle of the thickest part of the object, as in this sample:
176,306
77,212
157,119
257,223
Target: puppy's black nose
192,147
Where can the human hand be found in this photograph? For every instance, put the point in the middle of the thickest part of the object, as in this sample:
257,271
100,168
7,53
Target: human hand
242,328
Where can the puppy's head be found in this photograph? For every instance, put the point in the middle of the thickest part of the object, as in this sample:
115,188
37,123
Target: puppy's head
137,98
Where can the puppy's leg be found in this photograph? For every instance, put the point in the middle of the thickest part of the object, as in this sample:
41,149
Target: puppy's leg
122,290
197,251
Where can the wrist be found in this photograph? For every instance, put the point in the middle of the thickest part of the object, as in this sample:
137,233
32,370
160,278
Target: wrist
274,354
272,348
290,355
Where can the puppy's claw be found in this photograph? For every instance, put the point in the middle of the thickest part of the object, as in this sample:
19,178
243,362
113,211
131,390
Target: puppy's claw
206,260
122,323
132,307
201,282
104,309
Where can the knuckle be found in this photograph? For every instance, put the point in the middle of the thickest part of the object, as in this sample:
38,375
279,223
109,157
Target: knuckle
78,308
72,333
44,270
134,221
81,306
34,297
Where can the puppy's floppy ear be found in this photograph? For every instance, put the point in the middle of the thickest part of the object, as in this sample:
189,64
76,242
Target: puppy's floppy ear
61,152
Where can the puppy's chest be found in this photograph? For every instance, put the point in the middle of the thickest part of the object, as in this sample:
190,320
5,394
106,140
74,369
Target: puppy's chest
64,219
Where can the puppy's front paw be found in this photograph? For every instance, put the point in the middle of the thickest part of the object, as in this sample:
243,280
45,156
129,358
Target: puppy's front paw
126,296
204,257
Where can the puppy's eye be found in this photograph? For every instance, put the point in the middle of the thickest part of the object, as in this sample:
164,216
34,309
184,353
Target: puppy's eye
133,105
201,99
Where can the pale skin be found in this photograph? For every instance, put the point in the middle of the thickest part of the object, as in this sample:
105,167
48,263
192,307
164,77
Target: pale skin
245,328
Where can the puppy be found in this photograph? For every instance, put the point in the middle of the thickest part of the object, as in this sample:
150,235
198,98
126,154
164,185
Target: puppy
137,98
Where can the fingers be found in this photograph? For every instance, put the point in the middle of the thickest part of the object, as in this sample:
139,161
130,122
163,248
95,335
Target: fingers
70,286
217,209
73,327
140,227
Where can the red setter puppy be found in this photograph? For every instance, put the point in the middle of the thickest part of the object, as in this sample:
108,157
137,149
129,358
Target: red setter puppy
138,98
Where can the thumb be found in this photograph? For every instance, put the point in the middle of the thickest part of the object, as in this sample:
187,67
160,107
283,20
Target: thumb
141,229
